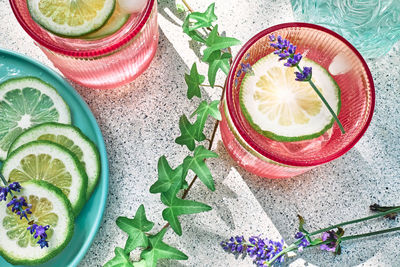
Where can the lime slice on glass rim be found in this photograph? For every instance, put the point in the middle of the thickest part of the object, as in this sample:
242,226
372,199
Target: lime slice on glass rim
71,138
116,21
50,162
71,18
283,109
25,102
49,207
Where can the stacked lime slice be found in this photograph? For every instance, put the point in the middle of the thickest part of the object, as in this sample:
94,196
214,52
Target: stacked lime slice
56,164
283,109
85,19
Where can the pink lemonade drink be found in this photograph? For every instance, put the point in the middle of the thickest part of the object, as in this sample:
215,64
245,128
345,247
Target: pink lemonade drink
102,63
290,156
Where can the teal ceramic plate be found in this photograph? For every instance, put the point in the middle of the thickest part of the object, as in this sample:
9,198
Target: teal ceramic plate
88,222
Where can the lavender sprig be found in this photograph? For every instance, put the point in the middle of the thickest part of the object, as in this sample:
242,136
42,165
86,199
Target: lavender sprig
267,252
287,51
21,207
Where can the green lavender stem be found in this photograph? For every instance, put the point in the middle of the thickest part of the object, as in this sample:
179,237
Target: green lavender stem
294,246
395,210
325,102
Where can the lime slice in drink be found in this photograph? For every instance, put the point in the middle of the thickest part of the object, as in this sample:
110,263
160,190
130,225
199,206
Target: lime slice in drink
283,109
71,138
116,21
71,18
49,207
25,102
45,160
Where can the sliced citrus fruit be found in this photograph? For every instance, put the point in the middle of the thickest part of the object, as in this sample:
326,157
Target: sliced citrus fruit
116,21
71,18
49,207
283,109
71,138
25,102
50,162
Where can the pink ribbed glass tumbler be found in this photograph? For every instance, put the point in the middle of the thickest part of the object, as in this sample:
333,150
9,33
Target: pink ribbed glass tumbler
104,63
280,159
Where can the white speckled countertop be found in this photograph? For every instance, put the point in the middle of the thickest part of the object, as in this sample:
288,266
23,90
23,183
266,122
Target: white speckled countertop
140,122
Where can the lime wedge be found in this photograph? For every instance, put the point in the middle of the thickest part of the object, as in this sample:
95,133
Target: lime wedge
71,138
49,207
50,162
116,21
71,18
283,109
25,102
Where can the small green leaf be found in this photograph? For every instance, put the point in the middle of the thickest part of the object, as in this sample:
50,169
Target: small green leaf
197,164
215,42
201,20
217,61
159,250
121,259
177,207
166,176
136,229
196,20
193,82
189,133
180,8
209,109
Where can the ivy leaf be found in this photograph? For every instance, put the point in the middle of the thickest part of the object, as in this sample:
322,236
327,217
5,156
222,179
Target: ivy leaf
197,164
136,229
121,259
159,250
166,176
217,61
201,20
189,133
206,109
215,42
193,81
177,207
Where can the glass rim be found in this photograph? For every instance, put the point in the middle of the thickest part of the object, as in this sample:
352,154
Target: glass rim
242,132
89,53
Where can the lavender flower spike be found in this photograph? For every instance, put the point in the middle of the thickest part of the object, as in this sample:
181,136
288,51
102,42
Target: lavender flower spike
305,75
20,207
39,231
329,235
303,241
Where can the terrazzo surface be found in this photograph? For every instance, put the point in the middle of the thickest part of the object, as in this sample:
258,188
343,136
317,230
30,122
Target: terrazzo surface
140,122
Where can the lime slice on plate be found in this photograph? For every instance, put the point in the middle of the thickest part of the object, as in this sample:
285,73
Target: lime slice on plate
71,138
49,207
44,160
283,109
25,102
116,21
71,18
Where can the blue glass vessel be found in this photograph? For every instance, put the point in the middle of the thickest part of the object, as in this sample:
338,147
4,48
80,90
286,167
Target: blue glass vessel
372,26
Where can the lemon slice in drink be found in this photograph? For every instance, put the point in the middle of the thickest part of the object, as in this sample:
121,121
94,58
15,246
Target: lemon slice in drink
283,109
25,102
116,21
50,162
71,18
71,138
49,207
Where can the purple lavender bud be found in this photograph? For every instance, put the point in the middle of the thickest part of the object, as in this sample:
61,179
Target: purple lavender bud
280,40
3,193
239,73
329,235
272,38
43,243
299,235
292,49
15,186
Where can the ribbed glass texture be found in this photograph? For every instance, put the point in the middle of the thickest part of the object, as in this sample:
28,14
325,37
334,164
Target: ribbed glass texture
274,159
372,26
102,64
